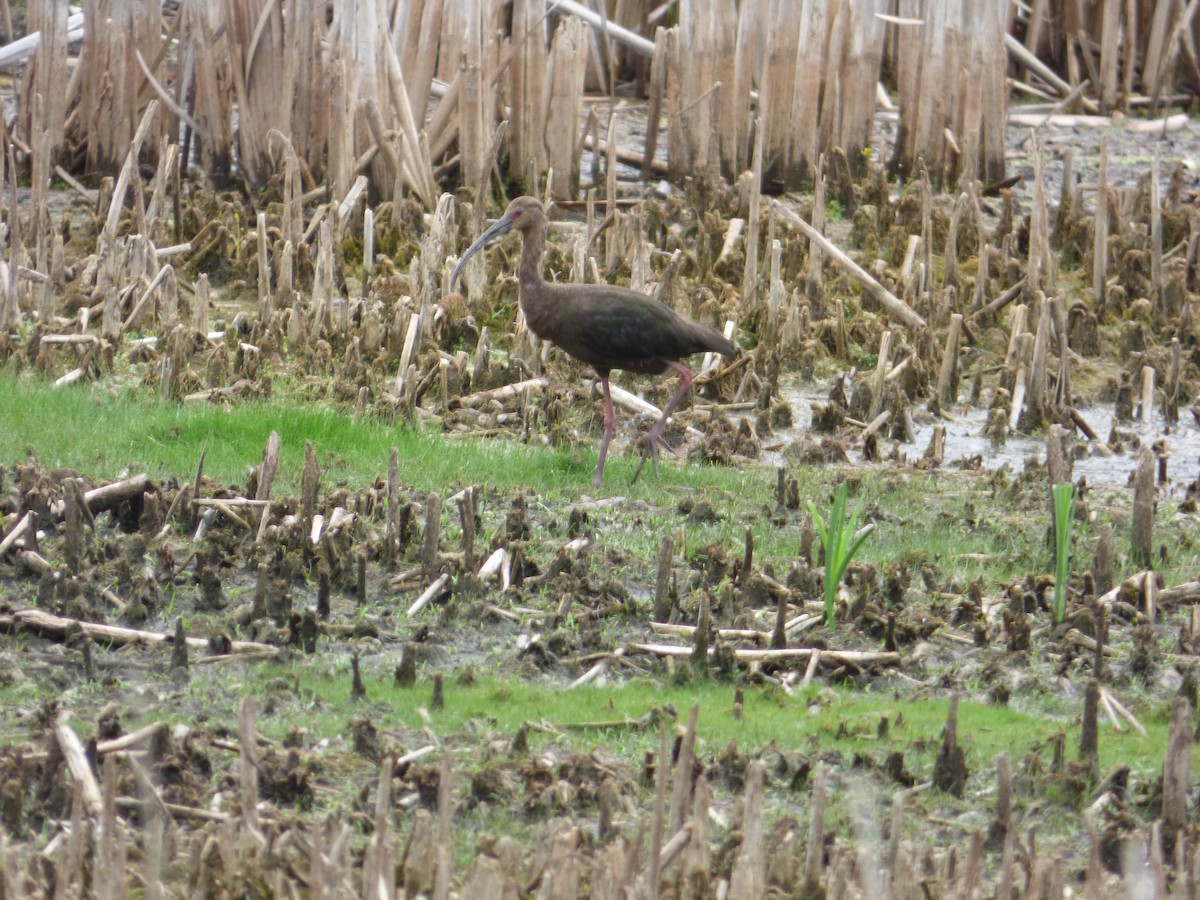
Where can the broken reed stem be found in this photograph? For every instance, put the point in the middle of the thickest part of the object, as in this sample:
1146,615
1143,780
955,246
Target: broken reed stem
1141,551
444,870
881,370
248,766
109,232
1177,768
662,587
748,878
1089,731
1100,228
889,301
433,524
1147,401
466,513
681,796
661,776
947,384
816,830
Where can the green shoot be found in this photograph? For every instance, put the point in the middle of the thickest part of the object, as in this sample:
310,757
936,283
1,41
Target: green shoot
841,541
1064,504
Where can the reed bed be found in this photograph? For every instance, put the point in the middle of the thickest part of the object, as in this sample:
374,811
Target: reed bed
413,93
1129,55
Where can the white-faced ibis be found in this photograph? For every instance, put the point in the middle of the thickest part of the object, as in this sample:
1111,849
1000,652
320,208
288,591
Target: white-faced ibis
606,326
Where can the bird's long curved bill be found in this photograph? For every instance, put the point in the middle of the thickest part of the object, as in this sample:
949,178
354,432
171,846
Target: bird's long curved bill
498,229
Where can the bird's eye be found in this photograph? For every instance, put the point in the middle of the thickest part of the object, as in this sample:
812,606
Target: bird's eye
516,213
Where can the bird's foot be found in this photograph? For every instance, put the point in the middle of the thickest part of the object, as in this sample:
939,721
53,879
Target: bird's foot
654,459
654,440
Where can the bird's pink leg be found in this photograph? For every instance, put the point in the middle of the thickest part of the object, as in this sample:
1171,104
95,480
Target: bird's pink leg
654,436
609,418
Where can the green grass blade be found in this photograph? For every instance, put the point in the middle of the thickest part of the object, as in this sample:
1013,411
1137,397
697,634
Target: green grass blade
1064,502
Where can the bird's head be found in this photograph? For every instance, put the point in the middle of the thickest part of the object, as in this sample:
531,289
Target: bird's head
523,213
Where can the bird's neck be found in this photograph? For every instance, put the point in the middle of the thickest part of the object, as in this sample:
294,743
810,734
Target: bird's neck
532,241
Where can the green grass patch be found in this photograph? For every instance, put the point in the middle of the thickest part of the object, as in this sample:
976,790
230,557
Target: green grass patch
817,720
943,518
109,430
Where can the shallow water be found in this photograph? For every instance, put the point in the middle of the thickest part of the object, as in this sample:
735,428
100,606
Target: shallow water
965,440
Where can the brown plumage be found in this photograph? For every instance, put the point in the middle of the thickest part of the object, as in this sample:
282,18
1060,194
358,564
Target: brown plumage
606,326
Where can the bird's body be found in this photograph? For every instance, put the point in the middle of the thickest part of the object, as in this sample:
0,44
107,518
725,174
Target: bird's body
606,326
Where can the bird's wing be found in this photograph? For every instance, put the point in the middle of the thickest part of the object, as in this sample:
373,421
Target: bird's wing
629,327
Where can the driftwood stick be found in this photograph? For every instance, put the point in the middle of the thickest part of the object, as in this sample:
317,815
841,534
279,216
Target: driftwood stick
875,424
176,810
77,763
59,627
947,383
430,592
1077,637
728,634
1111,699
814,662
232,502
142,301
231,515
132,739
790,654
466,510
626,155
636,404
1187,592
35,562
597,670
895,307
1021,54
443,865
110,495
612,30
1000,302
1133,582
1089,733
26,525
501,393
493,564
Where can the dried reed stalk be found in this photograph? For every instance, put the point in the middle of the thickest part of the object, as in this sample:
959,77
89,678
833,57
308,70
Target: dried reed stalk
698,50
1141,550
526,87
562,115
953,44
